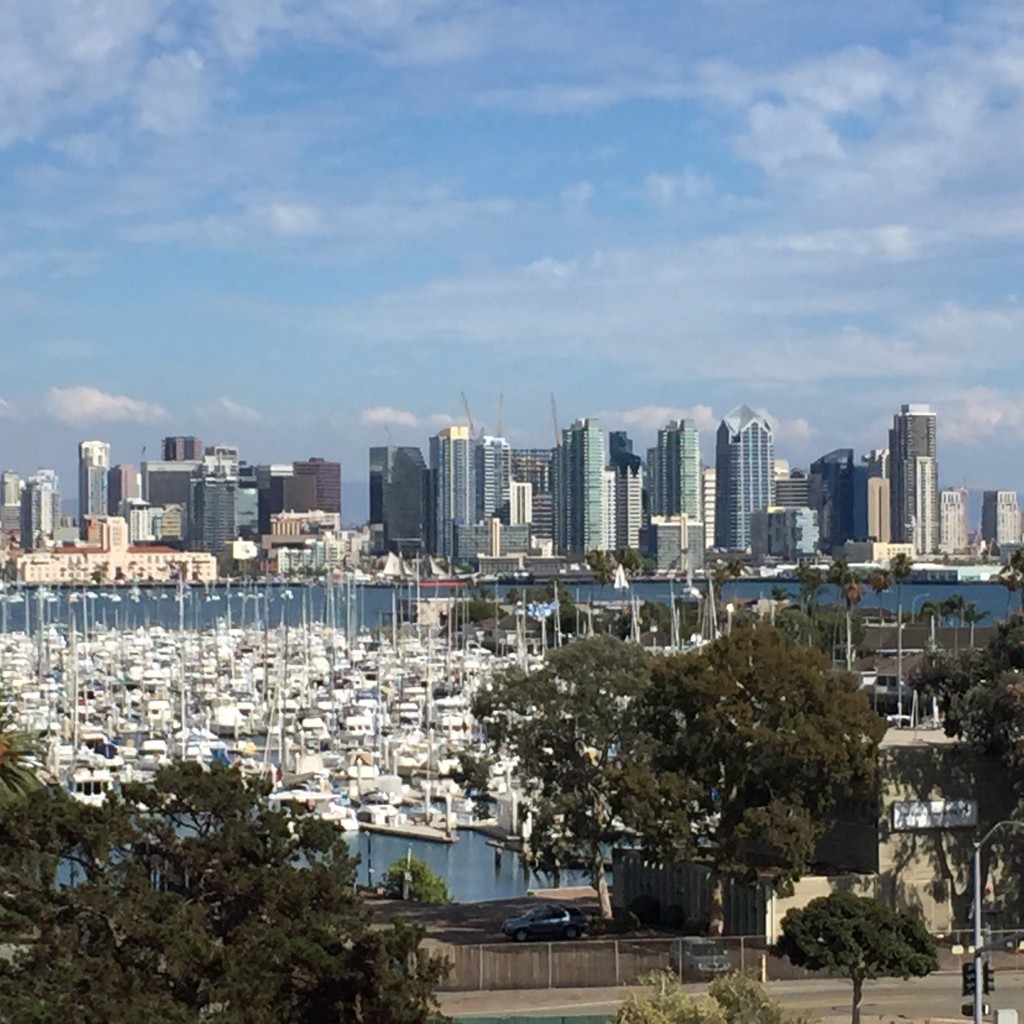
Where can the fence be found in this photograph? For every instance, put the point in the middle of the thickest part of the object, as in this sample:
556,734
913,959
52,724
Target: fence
603,963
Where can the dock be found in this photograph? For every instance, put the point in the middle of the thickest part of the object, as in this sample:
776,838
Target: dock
427,833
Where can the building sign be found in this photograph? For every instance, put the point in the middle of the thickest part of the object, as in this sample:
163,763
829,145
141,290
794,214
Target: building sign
918,815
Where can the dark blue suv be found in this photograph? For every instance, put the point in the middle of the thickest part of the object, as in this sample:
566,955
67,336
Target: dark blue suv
546,922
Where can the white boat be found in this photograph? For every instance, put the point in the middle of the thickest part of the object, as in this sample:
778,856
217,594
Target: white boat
89,784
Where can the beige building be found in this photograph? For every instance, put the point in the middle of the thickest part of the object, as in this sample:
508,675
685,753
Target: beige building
953,538
879,510
868,551
113,559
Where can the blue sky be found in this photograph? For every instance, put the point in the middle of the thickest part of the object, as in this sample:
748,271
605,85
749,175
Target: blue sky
303,226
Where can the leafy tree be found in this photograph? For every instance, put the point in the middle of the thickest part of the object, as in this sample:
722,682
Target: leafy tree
858,937
572,727
880,580
601,566
812,582
654,615
753,738
1012,577
972,616
730,999
19,758
424,885
629,559
191,899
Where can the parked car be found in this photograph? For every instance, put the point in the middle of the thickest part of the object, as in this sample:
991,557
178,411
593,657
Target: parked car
699,959
546,922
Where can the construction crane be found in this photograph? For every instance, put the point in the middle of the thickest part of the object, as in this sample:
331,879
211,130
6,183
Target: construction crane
469,415
554,422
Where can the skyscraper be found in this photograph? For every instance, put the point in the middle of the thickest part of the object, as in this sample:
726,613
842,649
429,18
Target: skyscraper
398,499
744,477
40,508
453,487
327,482
93,466
838,491
953,521
182,449
493,470
677,483
579,495
914,478
1000,518
213,509
535,467
122,485
10,502
629,509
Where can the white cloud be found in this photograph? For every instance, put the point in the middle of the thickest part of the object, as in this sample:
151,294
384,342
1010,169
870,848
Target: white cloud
974,416
688,187
227,408
651,418
171,95
6,409
383,415
80,405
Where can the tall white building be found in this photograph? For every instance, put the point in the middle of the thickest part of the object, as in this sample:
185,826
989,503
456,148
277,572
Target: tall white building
953,538
93,467
708,499
629,505
40,508
1000,518
493,458
609,506
520,503
745,477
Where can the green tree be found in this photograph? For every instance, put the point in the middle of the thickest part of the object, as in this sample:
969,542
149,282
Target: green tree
972,616
629,559
850,590
19,758
424,885
1012,577
858,937
602,566
812,581
572,727
193,900
754,738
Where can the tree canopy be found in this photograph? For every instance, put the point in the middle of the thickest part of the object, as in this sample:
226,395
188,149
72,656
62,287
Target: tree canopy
423,884
753,740
19,758
858,937
189,898
572,728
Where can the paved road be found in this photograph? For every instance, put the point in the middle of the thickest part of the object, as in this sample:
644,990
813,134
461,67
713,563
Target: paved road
937,997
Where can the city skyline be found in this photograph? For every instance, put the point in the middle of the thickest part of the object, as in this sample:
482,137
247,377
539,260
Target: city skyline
300,223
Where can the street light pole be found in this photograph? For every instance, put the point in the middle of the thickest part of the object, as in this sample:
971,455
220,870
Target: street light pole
979,968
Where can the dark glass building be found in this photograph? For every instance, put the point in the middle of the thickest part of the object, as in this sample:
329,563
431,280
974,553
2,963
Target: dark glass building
399,506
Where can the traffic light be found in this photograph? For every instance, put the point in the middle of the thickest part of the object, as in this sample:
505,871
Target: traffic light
988,978
969,979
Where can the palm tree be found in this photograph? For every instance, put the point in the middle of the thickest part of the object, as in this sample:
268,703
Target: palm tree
811,580
900,566
880,580
972,617
19,755
850,589
1012,577
953,608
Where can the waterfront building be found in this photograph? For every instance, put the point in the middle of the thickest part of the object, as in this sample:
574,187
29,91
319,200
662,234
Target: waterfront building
676,487
580,489
674,543
169,482
629,503
1000,518
787,534
181,448
10,502
745,481
93,467
838,490
279,489
326,476
493,539
398,500
879,509
609,504
213,507
953,537
40,509
453,487
520,503
914,478
535,467
112,559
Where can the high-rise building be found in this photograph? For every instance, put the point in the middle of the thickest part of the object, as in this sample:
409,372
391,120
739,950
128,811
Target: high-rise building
213,508
879,509
629,507
914,476
1000,518
709,495
953,539
609,505
791,486
745,479
326,477
838,491
182,449
676,487
520,503
788,534
535,466
398,500
453,487
579,495
280,490
493,457
40,508
876,463
10,502
620,447
122,485
93,466
166,483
